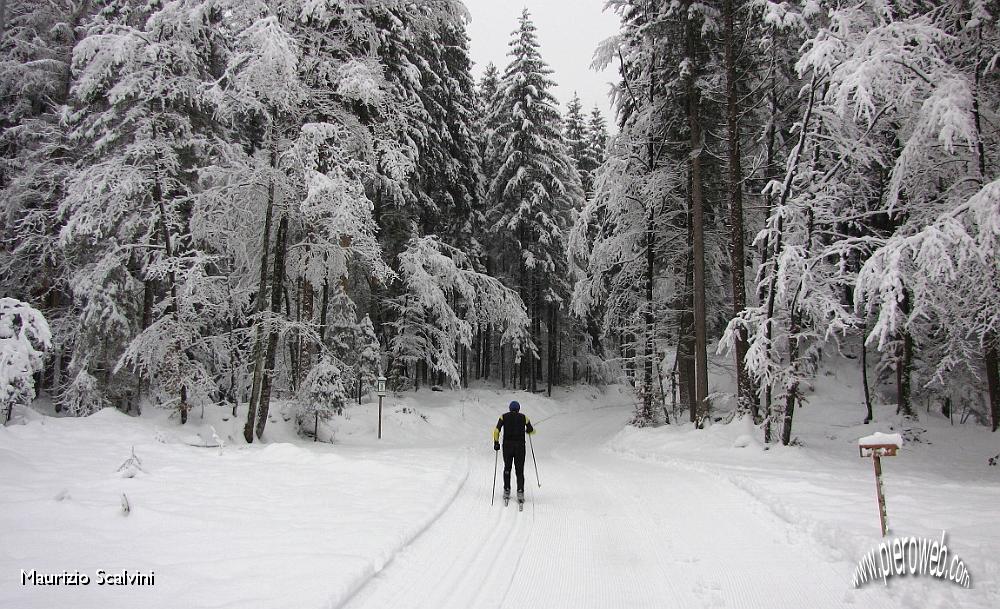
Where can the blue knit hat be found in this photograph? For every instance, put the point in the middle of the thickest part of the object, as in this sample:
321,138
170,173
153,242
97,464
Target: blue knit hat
514,406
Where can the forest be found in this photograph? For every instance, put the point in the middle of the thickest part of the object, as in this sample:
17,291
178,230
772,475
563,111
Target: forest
239,201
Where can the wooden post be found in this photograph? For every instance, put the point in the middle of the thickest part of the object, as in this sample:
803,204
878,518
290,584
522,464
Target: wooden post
876,452
380,390
883,517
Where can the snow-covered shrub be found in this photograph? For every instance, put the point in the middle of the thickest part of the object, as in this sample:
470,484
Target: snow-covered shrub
24,338
322,394
83,396
131,466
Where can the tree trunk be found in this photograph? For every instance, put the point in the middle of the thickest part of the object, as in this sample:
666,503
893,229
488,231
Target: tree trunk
477,353
646,416
295,336
864,376
904,362
792,391
698,234
503,369
324,305
486,345
745,401
175,305
769,174
786,191
258,354
305,344
991,359
552,348
57,378
277,282
685,338
148,297
992,362
536,335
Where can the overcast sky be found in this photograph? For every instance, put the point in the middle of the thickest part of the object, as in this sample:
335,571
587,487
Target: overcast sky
568,32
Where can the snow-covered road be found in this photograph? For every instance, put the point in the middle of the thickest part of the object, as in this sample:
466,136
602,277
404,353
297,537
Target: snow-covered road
604,531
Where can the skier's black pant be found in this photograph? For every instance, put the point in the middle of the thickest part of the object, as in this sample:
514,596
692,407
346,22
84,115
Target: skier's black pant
513,454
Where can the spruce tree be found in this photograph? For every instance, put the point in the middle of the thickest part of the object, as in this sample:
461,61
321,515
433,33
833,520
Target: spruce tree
535,187
597,137
486,120
578,140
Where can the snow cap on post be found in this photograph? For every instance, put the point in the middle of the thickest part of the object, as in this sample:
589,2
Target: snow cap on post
885,444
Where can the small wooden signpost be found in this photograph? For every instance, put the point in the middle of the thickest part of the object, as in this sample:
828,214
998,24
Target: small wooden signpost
380,390
876,446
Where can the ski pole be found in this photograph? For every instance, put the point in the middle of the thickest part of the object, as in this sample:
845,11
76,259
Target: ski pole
533,461
496,457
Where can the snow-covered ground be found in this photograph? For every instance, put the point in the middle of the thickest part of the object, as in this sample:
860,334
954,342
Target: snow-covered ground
823,491
666,517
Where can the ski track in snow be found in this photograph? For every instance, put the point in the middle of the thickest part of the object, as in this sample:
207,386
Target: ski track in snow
605,531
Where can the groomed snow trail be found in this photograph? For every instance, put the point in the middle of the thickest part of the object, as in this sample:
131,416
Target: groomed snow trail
606,532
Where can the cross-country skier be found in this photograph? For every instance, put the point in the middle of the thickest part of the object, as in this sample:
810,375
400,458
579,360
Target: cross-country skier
514,426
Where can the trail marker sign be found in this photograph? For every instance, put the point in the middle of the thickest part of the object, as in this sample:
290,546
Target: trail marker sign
876,446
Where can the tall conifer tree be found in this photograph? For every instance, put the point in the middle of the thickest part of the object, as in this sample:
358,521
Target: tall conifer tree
535,186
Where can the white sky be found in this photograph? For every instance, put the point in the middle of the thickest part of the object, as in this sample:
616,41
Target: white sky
568,32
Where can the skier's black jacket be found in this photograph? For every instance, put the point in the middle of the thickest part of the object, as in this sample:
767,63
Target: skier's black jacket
513,424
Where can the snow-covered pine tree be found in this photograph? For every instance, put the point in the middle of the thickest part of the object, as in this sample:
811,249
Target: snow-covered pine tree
140,83
444,301
780,28
428,69
24,338
322,395
352,343
533,191
35,79
299,82
619,242
487,120
449,168
578,143
597,137
368,357
934,283
488,355
881,201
